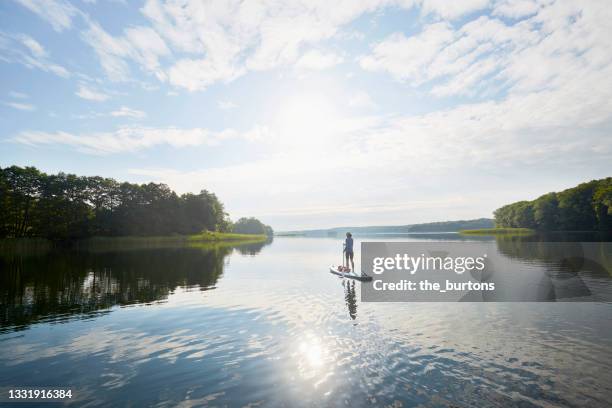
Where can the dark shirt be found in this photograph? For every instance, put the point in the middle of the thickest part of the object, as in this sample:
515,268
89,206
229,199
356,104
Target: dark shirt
349,244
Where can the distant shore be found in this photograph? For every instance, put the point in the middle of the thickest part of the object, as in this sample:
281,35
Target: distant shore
498,231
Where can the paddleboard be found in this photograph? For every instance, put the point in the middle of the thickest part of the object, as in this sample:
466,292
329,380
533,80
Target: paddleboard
351,275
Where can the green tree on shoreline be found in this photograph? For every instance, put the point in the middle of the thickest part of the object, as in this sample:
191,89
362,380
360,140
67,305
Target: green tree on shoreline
251,226
586,207
65,206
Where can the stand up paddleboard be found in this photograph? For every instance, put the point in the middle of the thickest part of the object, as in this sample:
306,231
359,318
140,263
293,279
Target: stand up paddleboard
345,272
337,270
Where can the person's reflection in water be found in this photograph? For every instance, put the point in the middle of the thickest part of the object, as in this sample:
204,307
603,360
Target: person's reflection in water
350,297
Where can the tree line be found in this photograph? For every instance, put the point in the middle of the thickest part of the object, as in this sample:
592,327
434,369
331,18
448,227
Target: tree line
586,207
66,206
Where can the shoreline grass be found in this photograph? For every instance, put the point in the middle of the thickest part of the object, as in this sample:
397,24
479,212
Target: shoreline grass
498,231
208,236
205,240
24,245
43,244
11,247
202,240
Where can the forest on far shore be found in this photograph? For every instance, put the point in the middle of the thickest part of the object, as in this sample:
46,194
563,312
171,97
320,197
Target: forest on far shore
586,207
66,206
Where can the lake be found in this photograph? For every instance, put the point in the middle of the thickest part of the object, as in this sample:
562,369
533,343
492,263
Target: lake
267,325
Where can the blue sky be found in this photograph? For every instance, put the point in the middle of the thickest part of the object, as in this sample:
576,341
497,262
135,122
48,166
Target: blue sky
306,115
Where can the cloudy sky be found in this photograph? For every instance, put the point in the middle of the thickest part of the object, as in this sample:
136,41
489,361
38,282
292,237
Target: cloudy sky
310,113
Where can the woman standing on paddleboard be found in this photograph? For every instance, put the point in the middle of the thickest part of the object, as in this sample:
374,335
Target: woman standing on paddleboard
348,250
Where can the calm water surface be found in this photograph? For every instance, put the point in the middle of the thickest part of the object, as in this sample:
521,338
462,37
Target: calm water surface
267,325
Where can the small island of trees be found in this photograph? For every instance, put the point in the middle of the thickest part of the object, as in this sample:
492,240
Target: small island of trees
65,207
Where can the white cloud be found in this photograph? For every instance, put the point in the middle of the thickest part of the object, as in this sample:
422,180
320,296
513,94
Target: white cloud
18,95
146,49
361,99
228,39
124,111
220,41
58,13
198,74
133,138
516,8
226,105
34,46
141,44
453,9
318,60
90,94
408,58
560,44
21,106
111,52
25,50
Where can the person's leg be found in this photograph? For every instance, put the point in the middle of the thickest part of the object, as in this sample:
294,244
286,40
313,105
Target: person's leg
352,263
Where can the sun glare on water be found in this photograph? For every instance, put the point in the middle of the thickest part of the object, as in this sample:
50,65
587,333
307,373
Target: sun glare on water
313,358
312,352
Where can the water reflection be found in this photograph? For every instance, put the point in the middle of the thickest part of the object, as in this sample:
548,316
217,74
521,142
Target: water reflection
594,258
519,270
350,297
572,270
61,284
279,330
55,285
